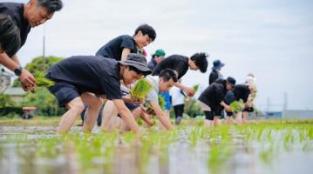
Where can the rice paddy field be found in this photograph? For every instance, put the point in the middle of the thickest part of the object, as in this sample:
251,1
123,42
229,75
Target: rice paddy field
281,146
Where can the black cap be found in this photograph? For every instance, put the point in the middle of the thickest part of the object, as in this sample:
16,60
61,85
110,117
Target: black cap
137,61
218,64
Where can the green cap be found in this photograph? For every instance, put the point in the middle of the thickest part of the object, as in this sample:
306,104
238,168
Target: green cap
159,53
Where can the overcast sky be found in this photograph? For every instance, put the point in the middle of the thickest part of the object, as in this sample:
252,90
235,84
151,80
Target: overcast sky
272,39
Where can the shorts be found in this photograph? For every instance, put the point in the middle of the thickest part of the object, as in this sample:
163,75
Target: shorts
209,112
248,109
64,92
131,106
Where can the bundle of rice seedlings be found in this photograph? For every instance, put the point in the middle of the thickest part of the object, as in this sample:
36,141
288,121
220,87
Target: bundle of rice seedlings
141,89
42,81
237,106
195,88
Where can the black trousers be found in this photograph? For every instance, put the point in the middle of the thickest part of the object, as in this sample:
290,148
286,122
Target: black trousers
179,110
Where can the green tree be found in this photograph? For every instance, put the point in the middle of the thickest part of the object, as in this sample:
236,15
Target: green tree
6,101
42,99
39,65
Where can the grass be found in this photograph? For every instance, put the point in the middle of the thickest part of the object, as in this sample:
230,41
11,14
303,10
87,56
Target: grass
103,150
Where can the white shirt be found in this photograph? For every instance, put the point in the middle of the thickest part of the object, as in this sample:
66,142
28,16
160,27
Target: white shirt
177,97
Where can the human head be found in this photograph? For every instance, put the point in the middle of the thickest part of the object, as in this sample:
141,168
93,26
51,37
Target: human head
230,83
217,65
134,68
158,56
38,12
10,40
199,61
167,79
144,35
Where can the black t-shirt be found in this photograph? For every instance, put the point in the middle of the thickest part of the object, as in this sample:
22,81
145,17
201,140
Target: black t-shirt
213,95
89,73
213,76
241,92
16,11
114,48
178,63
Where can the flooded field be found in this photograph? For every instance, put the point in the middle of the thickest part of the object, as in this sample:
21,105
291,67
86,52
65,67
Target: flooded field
256,148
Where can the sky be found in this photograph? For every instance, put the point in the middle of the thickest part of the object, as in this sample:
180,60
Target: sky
271,39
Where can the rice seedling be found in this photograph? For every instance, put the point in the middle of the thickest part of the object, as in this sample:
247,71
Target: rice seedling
141,89
237,106
42,81
195,88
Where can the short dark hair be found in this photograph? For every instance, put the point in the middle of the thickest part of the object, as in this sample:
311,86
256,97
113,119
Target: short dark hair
201,61
168,74
146,29
51,5
10,40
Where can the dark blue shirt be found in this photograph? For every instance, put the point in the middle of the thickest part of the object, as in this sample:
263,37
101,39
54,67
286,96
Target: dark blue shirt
16,11
114,48
89,74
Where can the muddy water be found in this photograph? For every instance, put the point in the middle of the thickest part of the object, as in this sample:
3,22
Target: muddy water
18,149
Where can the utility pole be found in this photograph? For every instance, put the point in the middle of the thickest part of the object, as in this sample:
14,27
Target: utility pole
44,42
285,105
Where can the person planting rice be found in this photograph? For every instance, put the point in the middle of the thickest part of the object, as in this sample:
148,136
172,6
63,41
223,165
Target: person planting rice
238,100
211,100
85,80
156,58
249,107
163,82
24,16
119,47
180,64
216,71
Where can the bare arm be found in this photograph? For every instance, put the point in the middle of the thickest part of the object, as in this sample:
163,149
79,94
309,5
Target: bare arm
126,115
188,90
15,59
8,62
163,116
27,79
125,53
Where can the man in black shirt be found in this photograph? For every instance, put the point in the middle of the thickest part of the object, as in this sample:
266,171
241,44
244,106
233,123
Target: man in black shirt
80,80
181,64
121,46
215,73
212,102
240,92
26,16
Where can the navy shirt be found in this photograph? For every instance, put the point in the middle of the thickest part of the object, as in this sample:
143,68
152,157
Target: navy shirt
89,73
16,11
114,48
214,75
213,95
241,92
178,63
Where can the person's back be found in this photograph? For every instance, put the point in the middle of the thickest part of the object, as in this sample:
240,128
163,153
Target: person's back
213,95
175,62
215,73
121,46
113,49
